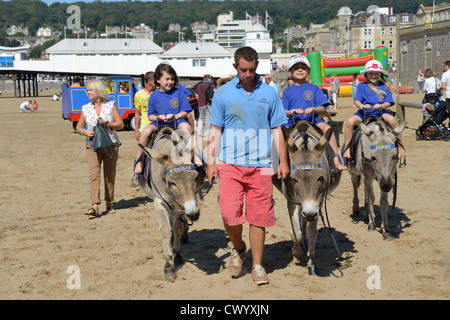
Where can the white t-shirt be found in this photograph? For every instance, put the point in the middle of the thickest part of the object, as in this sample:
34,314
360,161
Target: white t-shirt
430,85
446,79
24,106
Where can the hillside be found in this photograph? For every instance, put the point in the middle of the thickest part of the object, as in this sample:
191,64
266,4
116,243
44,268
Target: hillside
158,15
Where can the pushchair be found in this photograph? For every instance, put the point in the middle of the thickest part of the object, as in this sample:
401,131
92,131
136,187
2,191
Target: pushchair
433,127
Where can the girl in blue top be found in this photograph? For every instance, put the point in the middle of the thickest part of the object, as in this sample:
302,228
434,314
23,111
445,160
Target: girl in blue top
168,103
372,97
305,101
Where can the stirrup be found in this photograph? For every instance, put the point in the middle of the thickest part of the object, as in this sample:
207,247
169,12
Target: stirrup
134,180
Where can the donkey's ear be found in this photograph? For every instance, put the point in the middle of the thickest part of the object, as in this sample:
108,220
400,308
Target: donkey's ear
287,136
155,155
320,146
368,131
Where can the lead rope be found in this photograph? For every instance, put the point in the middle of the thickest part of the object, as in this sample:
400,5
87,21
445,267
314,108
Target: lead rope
329,229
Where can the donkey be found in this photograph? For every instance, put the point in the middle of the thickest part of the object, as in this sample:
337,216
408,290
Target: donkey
306,187
375,158
173,182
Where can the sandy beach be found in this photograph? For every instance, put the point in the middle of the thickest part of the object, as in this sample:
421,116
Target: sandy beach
44,233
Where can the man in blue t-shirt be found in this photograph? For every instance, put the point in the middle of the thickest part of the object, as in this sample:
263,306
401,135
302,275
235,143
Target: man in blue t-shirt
244,112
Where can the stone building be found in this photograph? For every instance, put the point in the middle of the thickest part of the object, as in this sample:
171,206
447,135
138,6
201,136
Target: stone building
425,45
350,33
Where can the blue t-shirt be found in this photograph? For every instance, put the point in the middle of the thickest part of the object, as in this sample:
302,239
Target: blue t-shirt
367,96
304,96
171,102
246,121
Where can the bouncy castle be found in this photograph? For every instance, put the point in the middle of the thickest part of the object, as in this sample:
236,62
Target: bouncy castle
323,68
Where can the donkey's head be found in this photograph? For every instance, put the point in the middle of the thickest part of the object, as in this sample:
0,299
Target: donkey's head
381,152
309,170
181,179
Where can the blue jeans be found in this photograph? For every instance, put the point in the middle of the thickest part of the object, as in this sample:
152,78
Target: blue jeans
204,117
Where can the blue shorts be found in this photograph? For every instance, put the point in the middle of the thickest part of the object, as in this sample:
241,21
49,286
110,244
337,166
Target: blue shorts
369,112
167,123
314,120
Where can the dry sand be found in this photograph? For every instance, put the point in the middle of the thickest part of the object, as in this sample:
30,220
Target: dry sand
43,231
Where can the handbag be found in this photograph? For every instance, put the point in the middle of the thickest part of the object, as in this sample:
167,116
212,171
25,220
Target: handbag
102,140
209,93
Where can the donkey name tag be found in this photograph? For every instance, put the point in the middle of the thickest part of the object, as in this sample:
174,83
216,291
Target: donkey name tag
179,169
382,146
306,166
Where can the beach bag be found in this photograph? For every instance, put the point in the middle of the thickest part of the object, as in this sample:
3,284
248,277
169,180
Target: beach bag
102,140
209,93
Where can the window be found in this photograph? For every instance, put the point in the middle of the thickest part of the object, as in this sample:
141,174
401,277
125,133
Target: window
382,42
124,86
392,19
199,62
405,18
404,48
383,31
391,44
367,44
391,30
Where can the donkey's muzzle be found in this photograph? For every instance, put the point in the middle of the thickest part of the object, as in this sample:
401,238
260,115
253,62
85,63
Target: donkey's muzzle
385,184
191,210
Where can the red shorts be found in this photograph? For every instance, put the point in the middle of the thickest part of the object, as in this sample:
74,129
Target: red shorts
253,182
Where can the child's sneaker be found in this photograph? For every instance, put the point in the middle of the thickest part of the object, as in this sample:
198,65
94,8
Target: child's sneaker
259,275
237,261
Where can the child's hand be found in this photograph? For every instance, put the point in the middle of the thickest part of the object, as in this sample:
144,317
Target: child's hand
298,111
309,110
161,117
378,106
170,116
366,106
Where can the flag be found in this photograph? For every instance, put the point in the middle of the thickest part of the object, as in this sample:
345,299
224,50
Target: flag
268,19
128,28
88,29
257,19
247,16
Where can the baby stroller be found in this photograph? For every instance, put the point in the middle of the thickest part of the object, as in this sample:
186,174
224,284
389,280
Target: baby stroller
433,127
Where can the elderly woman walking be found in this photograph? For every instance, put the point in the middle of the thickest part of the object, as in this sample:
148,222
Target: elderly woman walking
107,114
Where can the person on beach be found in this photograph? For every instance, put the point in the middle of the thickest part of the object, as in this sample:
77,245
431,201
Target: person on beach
306,101
335,87
141,116
372,98
107,114
244,113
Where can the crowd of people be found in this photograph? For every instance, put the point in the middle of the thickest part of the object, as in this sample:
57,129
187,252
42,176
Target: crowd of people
429,82
243,101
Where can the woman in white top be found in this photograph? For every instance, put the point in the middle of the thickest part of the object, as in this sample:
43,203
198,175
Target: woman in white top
420,80
431,83
107,114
